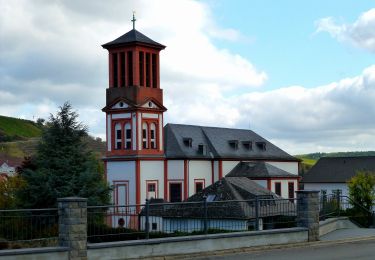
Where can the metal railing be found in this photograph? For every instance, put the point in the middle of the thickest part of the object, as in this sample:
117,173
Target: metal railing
28,227
154,219
336,205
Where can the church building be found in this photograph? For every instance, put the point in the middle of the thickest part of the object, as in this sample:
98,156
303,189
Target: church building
145,159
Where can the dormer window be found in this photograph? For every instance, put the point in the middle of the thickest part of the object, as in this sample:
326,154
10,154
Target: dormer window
188,142
248,145
233,144
202,149
261,146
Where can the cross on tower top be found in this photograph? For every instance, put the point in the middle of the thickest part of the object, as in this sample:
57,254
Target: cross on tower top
133,20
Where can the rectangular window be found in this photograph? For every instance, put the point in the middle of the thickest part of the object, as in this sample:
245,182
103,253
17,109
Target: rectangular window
114,70
141,68
130,68
154,226
154,73
118,134
147,69
152,134
291,190
122,69
144,145
128,133
198,186
151,187
278,188
175,191
144,133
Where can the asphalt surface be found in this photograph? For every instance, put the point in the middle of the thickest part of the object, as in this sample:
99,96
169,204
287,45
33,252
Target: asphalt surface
358,250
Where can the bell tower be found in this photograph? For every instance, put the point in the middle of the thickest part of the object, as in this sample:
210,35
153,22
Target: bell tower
134,100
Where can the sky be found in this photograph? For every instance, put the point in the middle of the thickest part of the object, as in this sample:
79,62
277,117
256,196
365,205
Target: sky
299,73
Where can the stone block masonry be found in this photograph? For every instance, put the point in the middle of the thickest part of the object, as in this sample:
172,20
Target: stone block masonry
308,212
73,226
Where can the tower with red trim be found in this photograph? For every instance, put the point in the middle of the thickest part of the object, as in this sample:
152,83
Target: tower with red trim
134,105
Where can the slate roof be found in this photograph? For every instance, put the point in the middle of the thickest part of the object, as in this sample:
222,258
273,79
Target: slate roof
216,141
232,198
258,170
338,169
131,37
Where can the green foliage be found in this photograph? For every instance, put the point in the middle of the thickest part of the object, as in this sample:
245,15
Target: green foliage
8,190
63,166
317,156
361,189
17,129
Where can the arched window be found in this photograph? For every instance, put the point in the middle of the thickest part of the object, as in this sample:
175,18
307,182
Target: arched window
153,136
118,136
144,136
128,136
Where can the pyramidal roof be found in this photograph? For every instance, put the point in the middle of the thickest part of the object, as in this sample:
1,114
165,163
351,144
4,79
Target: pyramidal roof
133,36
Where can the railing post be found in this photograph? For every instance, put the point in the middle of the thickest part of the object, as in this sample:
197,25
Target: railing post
256,213
73,226
308,212
205,228
147,224
338,200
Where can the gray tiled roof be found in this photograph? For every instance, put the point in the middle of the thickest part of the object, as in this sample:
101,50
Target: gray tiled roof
234,198
258,170
133,36
216,141
338,169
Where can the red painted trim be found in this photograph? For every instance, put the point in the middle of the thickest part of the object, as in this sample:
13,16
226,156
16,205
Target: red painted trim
212,172
165,179
138,182
220,169
269,184
199,181
156,182
186,179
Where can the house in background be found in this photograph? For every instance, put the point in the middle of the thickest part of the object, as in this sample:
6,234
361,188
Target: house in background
230,206
145,159
281,182
331,174
7,170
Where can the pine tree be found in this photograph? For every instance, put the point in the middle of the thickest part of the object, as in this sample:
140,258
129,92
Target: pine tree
63,166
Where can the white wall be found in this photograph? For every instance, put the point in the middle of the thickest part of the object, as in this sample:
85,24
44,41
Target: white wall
123,171
175,169
189,225
329,187
291,167
152,170
199,170
228,166
216,171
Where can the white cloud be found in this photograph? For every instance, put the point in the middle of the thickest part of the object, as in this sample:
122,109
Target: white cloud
51,52
361,33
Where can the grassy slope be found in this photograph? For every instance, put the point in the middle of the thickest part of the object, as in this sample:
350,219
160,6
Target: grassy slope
14,127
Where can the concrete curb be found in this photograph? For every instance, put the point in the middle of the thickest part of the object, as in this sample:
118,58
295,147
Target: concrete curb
263,248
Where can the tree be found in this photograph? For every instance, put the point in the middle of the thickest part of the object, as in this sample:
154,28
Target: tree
361,188
63,166
8,190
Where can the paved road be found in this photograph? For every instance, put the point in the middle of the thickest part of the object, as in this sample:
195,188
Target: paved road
358,250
